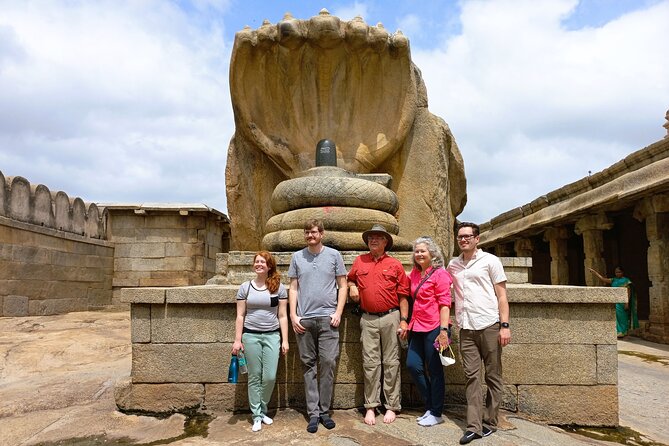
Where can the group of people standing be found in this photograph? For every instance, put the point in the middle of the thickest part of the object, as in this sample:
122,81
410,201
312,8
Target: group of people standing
394,308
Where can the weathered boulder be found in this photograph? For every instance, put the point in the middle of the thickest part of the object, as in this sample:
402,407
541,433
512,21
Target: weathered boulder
300,81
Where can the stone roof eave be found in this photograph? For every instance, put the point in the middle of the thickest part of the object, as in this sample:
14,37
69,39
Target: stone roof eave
645,181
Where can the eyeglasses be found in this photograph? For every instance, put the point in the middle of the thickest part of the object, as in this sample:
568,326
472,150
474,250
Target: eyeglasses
465,236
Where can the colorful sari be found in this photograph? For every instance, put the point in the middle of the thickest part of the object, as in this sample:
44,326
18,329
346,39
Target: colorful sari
625,317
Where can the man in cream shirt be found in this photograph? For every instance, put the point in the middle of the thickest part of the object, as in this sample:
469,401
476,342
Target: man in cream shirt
482,313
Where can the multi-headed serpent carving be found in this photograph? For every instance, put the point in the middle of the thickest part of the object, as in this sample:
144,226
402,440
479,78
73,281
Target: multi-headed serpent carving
299,81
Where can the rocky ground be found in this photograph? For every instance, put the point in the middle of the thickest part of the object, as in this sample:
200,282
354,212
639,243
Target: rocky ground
57,375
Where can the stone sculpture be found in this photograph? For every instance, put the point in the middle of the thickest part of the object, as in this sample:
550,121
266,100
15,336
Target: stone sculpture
299,81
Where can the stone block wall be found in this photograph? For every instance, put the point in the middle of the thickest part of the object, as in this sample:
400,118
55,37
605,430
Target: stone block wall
52,256
59,254
561,366
37,205
164,245
46,271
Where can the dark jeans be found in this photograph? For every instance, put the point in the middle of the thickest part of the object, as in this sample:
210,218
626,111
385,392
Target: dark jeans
319,351
426,370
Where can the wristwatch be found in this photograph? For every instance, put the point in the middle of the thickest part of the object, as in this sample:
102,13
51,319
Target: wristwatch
504,325
403,319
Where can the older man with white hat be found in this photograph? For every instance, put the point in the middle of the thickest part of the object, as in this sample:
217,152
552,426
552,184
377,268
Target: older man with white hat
378,282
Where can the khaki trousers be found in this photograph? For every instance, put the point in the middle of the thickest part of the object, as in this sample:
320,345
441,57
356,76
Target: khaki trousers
380,351
474,346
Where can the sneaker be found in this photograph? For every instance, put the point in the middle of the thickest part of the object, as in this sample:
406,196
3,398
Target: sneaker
312,427
267,420
485,432
427,412
468,437
430,420
257,425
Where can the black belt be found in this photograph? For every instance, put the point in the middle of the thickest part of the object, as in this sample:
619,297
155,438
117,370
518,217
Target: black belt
250,331
381,313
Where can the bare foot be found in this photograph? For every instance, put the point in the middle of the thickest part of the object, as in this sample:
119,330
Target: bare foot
389,417
370,417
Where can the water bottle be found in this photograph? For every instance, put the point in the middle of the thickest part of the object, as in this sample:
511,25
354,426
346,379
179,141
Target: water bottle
241,359
404,342
232,371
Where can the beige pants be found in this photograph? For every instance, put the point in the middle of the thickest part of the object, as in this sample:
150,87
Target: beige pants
380,351
474,346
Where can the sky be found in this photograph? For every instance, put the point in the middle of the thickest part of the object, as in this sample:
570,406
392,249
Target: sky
128,100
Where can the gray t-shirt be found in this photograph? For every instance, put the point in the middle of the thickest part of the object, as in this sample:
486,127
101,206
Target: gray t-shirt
262,307
316,276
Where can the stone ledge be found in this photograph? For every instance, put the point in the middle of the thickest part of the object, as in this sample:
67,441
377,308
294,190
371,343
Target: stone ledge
203,294
143,295
518,293
54,232
562,294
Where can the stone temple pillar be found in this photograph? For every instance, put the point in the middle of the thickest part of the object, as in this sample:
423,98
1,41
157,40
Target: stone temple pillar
655,211
523,247
591,229
557,238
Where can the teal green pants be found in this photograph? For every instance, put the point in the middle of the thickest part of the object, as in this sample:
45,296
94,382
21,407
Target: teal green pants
262,359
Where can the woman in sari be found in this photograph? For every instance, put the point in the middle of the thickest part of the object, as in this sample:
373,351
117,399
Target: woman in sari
626,314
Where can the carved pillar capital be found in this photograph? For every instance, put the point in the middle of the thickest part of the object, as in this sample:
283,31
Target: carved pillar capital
598,222
556,233
651,205
591,228
523,247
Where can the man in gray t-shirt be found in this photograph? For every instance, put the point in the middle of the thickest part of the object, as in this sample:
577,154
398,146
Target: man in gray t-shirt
316,296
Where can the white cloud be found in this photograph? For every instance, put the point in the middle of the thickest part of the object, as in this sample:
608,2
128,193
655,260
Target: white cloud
352,10
129,101
117,100
409,25
534,106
